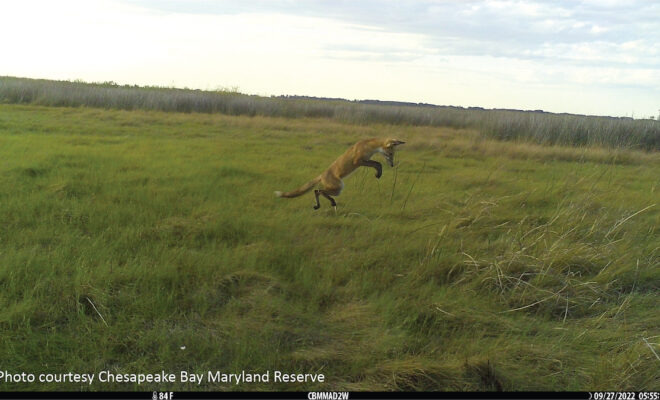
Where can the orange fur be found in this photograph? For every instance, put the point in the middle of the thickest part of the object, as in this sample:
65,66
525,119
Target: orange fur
358,155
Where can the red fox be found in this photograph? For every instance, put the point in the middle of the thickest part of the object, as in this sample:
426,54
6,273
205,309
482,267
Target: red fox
356,156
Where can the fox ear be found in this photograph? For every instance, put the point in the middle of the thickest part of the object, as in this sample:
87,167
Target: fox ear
393,142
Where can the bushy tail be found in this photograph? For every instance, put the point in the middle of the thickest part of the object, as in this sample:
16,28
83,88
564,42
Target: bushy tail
301,190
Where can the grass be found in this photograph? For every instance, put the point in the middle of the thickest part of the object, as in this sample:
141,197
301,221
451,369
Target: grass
509,125
140,241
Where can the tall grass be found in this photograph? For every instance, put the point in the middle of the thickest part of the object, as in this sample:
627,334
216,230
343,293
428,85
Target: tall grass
531,126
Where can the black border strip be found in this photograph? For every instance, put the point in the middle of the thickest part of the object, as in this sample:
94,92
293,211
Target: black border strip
294,395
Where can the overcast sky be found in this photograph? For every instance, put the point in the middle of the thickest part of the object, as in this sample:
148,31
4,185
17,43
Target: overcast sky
592,57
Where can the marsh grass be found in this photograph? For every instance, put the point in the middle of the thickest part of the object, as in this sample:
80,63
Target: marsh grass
140,241
508,125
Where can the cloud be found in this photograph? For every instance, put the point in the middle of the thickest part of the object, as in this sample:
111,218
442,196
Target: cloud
499,28
513,53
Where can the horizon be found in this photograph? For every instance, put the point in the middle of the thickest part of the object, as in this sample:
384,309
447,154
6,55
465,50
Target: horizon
587,57
234,90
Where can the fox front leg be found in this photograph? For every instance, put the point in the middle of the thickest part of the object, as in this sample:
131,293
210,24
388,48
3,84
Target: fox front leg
373,164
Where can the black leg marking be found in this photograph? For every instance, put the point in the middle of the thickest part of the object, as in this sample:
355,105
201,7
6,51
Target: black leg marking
316,194
327,196
373,164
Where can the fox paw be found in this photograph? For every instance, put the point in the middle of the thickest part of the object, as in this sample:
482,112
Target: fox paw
317,207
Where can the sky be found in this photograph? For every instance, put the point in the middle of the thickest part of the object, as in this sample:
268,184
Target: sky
597,57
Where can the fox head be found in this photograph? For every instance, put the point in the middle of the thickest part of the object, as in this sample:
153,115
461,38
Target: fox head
388,149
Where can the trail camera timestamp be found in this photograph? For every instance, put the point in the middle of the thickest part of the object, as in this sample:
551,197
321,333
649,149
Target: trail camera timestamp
625,396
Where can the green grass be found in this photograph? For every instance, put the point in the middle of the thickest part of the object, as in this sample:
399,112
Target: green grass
472,265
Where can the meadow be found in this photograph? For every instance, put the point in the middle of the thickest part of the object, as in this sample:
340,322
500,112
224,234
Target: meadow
136,241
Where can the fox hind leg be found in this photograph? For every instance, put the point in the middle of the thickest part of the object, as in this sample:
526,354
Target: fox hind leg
316,195
327,196
332,186
323,193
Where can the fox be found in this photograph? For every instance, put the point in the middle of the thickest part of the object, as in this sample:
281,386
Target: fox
358,155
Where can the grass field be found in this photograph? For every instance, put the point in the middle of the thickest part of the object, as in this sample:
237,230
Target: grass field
141,241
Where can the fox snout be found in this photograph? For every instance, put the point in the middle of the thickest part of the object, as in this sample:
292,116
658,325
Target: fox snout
388,150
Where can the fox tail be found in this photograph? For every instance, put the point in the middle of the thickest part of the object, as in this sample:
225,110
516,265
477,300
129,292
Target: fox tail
301,190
